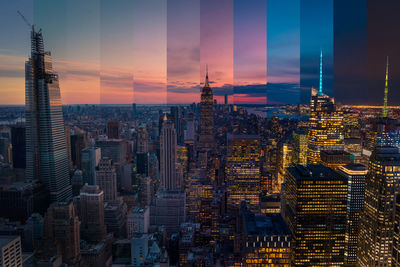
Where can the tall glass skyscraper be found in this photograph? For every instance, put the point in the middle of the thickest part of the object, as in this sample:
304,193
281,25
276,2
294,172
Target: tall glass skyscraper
46,150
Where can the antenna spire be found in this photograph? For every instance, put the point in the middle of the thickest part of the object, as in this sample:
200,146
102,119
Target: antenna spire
206,83
385,98
320,75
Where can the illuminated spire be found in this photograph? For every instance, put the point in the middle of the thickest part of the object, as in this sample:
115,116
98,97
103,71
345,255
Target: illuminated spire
320,75
385,106
206,84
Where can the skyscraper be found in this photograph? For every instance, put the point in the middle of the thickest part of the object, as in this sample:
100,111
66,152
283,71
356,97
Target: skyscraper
206,117
168,156
377,221
315,210
142,139
18,142
355,174
113,130
106,178
326,129
91,205
46,151
243,171
90,160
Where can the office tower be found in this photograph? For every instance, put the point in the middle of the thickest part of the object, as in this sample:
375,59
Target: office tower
106,179
178,123
18,142
243,170
62,232
326,129
145,191
115,217
77,182
142,139
355,174
10,251
90,160
206,117
376,227
226,99
168,209
91,205
285,153
315,211
300,147
142,163
113,130
78,143
46,151
115,149
335,158
68,142
139,249
266,239
138,221
396,234
168,156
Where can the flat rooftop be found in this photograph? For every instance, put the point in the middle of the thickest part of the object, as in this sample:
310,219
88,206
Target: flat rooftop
265,224
314,172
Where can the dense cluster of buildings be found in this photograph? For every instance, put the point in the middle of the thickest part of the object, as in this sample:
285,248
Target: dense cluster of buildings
204,184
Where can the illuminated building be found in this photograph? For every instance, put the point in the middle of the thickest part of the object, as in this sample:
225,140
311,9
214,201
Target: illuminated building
396,234
285,153
355,174
182,159
46,149
354,147
335,158
243,170
91,205
270,203
206,117
376,227
300,146
326,127
113,130
106,178
315,211
351,125
266,240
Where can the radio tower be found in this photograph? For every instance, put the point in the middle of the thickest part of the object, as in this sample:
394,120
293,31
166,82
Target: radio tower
385,106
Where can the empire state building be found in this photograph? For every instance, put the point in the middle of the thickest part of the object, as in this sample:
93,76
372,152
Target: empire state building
206,117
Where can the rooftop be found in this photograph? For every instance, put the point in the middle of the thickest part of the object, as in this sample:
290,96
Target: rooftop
265,224
314,172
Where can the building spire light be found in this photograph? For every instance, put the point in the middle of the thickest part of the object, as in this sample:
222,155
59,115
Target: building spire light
320,75
385,98
206,83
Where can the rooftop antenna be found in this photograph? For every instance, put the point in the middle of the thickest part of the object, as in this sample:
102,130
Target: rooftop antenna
320,74
385,99
206,83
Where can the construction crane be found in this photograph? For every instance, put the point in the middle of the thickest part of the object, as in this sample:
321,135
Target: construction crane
23,17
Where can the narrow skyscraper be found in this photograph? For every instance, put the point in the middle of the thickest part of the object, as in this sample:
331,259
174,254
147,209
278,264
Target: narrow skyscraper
375,239
206,117
46,151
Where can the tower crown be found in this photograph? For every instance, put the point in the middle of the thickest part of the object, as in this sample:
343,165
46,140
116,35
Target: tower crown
320,75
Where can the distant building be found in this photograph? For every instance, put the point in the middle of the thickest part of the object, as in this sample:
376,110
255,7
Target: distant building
90,160
78,143
113,130
315,210
142,140
375,240
206,117
10,251
243,171
300,147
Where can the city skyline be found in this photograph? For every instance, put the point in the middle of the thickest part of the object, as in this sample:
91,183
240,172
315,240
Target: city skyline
155,52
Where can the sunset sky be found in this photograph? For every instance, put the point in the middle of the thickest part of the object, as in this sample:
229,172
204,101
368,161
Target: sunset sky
156,51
